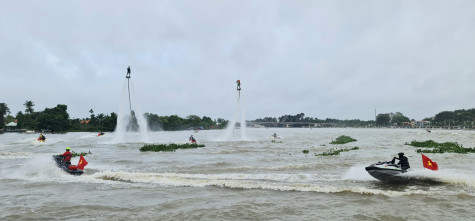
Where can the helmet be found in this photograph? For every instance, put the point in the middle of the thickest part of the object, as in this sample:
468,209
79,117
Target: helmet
68,148
401,154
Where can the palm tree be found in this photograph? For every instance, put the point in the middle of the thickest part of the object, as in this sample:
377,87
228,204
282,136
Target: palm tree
29,106
4,110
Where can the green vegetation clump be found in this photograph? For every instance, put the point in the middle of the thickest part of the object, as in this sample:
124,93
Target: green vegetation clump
169,147
305,151
335,151
74,154
343,140
447,147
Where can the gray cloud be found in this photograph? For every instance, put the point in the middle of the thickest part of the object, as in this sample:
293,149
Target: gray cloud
338,59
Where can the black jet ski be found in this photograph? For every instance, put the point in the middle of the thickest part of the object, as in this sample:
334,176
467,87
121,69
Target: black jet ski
66,166
387,172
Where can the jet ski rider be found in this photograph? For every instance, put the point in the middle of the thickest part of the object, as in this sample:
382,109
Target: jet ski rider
67,156
403,161
42,137
192,139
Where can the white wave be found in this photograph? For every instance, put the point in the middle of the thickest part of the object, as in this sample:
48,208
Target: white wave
87,136
455,177
14,155
357,173
278,182
41,168
38,143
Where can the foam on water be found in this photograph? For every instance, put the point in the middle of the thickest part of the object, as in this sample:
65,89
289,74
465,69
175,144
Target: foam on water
239,114
41,168
452,177
14,155
38,143
124,117
449,176
228,169
357,173
278,182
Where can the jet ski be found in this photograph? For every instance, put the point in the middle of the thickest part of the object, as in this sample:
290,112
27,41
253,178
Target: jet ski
387,172
66,166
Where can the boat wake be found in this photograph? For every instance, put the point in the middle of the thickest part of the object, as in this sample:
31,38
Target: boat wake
277,182
452,177
421,177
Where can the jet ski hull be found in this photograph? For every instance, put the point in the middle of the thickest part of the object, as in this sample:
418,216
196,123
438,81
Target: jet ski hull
65,166
386,172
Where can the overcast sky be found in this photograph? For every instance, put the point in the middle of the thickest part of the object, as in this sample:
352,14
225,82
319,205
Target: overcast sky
327,59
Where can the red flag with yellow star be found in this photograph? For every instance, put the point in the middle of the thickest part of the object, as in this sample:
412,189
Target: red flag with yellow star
82,163
428,163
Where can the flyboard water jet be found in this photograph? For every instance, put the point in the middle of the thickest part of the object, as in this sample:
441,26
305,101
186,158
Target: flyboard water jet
130,122
133,124
239,112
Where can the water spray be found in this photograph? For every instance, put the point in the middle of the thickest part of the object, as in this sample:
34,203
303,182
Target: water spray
239,116
134,121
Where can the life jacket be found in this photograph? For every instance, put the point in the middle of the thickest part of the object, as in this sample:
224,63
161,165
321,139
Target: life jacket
404,162
67,156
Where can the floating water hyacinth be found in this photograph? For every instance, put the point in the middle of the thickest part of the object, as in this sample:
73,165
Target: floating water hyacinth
447,147
343,140
335,151
74,154
169,147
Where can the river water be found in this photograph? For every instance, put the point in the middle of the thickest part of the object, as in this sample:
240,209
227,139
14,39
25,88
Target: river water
256,179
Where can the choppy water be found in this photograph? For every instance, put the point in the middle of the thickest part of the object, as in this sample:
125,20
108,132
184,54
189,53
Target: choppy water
228,180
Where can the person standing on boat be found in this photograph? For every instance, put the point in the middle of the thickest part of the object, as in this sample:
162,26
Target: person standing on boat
67,156
403,161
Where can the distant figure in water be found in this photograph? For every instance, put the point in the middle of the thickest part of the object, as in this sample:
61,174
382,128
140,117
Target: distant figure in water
428,131
238,82
192,139
275,135
403,161
101,133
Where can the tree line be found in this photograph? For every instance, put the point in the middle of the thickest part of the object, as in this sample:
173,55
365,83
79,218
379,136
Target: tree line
329,121
392,119
57,119
175,122
458,118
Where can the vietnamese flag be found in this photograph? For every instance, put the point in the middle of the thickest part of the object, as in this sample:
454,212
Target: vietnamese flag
429,164
82,163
